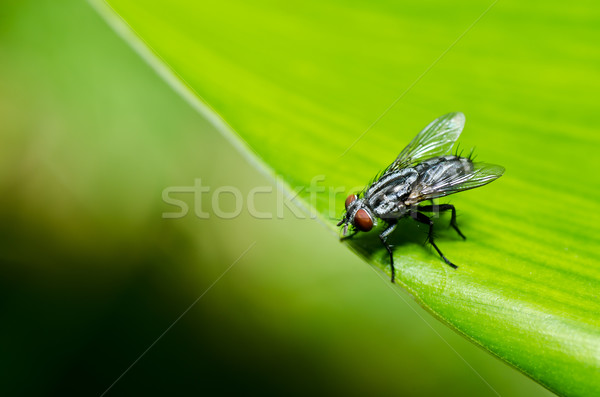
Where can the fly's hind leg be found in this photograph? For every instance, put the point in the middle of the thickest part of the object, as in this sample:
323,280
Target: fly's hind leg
427,220
383,236
442,208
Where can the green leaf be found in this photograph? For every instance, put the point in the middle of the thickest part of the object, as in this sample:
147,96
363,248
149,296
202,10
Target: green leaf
325,95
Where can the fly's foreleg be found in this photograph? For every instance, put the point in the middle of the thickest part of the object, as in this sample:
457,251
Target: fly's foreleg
349,236
383,236
442,208
419,217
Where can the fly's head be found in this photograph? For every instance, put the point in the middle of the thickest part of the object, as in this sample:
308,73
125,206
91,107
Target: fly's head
358,214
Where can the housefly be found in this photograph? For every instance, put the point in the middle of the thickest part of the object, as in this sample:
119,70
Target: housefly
424,170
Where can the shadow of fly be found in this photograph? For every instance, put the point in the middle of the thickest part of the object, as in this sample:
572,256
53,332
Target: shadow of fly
424,170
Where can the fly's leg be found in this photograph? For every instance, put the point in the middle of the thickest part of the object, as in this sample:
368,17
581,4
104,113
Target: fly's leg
419,217
444,207
349,236
383,236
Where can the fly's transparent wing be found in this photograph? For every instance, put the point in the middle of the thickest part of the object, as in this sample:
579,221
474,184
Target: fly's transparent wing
435,140
469,177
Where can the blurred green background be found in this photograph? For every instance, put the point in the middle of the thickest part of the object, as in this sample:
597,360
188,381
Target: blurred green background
92,274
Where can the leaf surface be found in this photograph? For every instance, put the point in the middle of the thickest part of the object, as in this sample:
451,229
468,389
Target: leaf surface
326,94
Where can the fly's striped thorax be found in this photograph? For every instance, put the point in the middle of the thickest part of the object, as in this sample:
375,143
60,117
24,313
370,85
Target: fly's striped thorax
385,194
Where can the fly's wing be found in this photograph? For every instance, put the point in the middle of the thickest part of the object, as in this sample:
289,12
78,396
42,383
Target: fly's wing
435,140
469,177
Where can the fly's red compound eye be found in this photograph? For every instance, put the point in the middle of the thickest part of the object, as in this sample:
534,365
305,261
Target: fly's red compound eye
363,221
349,200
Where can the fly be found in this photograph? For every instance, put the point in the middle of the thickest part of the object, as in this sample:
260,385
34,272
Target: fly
424,170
